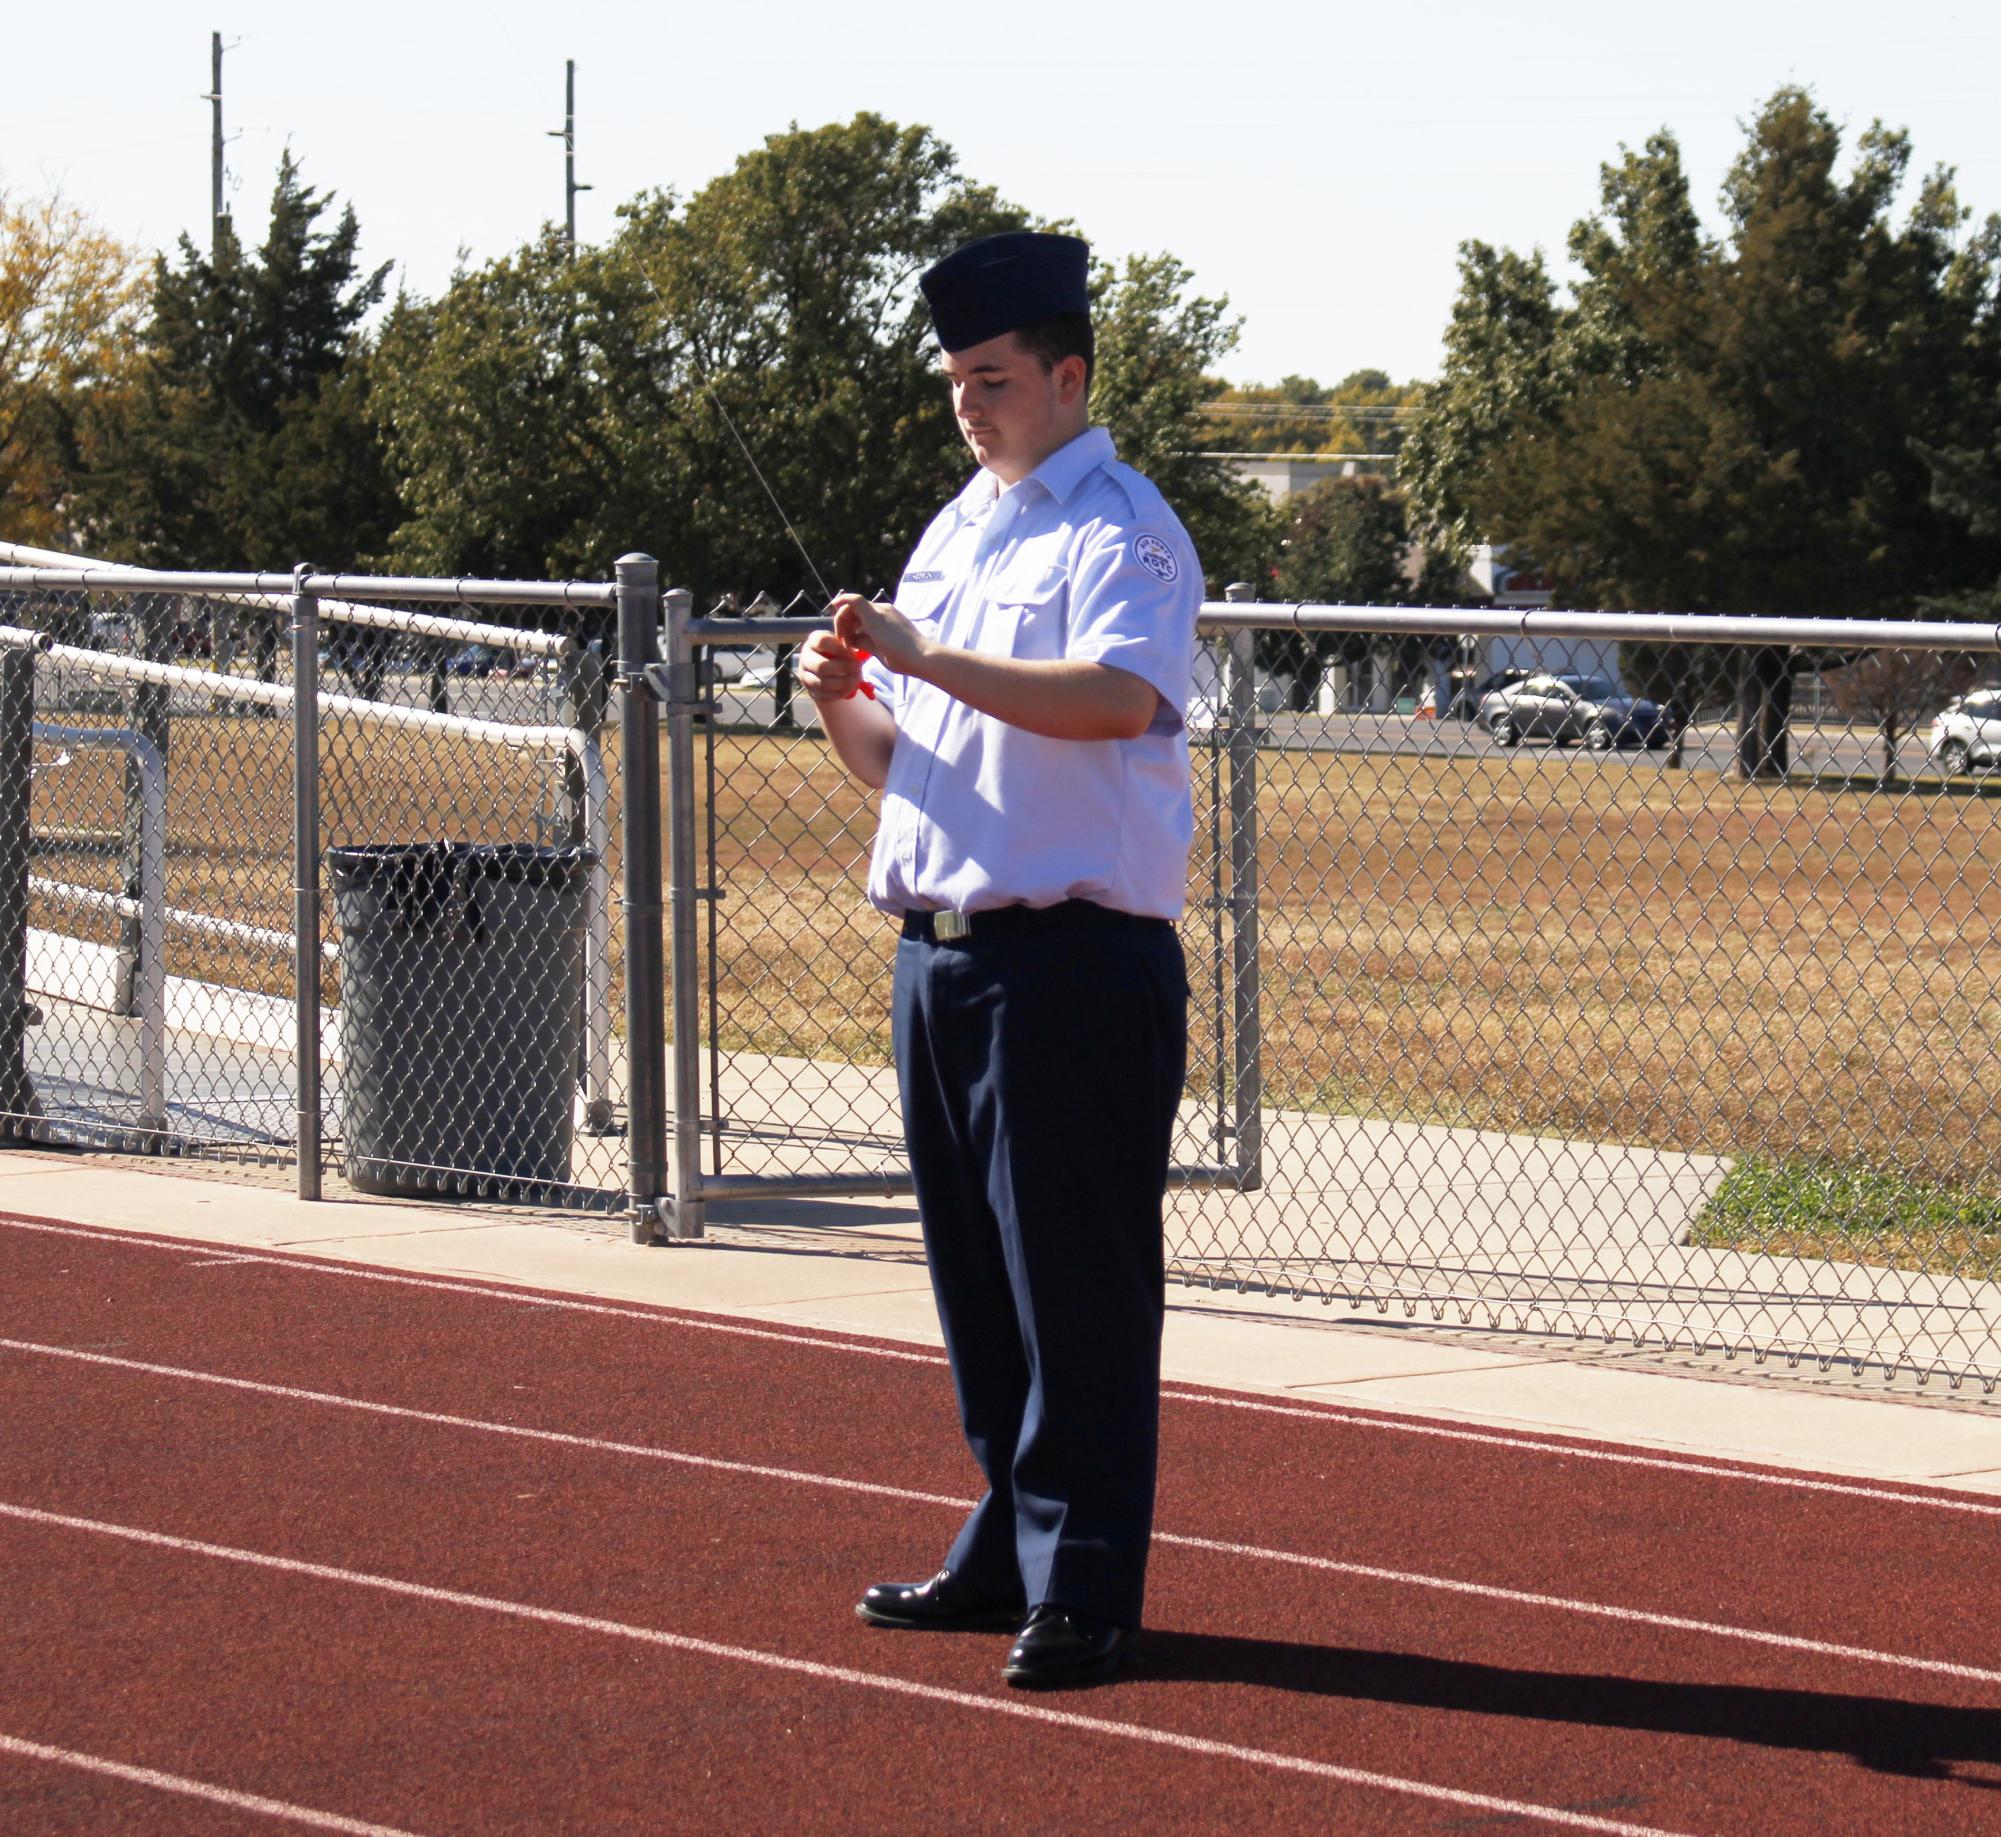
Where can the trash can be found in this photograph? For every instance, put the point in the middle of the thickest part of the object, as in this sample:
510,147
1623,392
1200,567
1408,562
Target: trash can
461,976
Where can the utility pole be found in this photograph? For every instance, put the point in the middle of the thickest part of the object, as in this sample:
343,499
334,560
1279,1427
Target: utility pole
567,134
214,99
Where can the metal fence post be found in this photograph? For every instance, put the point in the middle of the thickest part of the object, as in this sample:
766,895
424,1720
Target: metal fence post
1247,1036
17,754
684,893
305,633
645,1018
146,714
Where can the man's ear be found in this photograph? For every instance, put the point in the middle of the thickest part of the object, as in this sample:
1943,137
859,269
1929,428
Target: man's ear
1072,379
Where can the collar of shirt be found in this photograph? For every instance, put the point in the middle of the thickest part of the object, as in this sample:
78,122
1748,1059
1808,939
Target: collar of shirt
1058,475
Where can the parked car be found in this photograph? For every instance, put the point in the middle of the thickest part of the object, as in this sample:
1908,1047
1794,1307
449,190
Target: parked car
1466,702
490,660
1565,708
755,672
1966,732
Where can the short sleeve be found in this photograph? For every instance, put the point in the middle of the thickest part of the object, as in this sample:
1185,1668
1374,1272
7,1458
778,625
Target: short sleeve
1135,591
883,682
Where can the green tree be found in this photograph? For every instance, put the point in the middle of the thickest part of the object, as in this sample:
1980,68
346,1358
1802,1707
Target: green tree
1156,343
1728,424
793,281
246,438
1363,413
1966,487
1346,541
68,299
501,402
548,412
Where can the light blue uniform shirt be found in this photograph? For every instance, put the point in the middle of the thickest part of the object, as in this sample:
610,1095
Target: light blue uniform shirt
1080,560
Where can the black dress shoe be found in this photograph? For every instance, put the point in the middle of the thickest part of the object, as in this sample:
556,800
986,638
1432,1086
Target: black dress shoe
944,1604
1059,1647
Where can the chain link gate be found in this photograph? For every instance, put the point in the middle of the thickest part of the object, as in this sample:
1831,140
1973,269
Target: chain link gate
783,1064
1533,1027
200,745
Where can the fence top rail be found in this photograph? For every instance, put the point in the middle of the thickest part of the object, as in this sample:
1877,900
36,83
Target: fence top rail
344,586
1472,622
1649,627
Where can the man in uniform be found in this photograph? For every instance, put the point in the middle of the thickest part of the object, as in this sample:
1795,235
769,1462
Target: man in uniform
1024,727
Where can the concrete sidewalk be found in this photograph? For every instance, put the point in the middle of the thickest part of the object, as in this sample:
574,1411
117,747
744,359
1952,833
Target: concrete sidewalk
856,1267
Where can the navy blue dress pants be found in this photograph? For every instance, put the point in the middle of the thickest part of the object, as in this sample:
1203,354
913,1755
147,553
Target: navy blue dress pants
1040,1067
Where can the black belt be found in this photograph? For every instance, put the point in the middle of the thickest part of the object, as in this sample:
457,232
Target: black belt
1010,921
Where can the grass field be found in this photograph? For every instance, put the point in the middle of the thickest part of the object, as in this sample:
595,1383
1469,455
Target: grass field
1804,976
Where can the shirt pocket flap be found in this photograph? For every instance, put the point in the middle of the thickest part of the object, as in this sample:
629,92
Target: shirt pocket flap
1029,614
1033,591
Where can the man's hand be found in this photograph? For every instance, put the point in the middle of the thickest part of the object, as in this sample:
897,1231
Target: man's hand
829,670
1055,697
874,628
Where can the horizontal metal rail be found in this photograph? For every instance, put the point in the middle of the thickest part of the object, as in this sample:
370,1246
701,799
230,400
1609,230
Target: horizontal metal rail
336,586
1644,627
1473,622
279,695
178,918
895,1183
88,575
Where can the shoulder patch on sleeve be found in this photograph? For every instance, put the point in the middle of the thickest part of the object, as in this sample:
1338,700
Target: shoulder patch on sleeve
1155,556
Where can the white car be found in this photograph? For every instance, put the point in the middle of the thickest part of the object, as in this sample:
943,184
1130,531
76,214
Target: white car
1966,732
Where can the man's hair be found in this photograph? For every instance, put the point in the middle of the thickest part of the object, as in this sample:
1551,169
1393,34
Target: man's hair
1062,335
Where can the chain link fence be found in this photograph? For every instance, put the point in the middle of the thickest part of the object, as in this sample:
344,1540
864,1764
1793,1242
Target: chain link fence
1529,994
1534,990
453,1024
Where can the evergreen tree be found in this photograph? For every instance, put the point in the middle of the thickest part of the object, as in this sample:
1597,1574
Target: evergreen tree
246,439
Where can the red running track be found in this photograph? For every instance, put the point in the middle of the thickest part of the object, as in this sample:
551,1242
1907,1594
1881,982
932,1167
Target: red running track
311,1546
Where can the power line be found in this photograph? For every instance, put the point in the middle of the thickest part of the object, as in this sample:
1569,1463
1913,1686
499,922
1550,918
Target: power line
1312,411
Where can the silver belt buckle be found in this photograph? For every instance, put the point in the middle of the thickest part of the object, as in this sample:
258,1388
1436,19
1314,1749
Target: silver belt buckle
950,927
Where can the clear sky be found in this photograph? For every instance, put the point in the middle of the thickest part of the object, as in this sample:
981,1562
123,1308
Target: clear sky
1318,161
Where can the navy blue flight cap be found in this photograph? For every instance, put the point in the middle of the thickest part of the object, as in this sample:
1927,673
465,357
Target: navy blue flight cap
1000,282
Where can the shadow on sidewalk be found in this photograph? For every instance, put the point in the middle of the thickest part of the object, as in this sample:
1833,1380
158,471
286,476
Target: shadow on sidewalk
1887,1734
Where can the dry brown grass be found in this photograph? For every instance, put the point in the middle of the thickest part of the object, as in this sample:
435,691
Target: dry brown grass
1531,943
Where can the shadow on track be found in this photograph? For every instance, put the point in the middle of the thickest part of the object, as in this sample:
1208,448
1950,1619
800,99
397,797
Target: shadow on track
1886,1734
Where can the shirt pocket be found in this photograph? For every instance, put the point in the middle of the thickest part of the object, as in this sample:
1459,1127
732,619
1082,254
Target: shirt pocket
1027,618
921,601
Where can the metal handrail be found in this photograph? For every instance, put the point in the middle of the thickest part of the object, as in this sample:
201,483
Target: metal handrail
84,573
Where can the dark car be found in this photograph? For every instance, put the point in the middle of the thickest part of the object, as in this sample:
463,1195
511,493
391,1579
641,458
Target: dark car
486,660
1565,708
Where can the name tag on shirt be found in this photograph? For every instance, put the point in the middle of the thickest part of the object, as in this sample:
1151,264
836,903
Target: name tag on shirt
924,576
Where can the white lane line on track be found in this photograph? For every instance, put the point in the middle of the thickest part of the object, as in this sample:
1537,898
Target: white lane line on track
1514,1597
1198,1745
195,1789
442,1419
1881,1493
1522,1443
